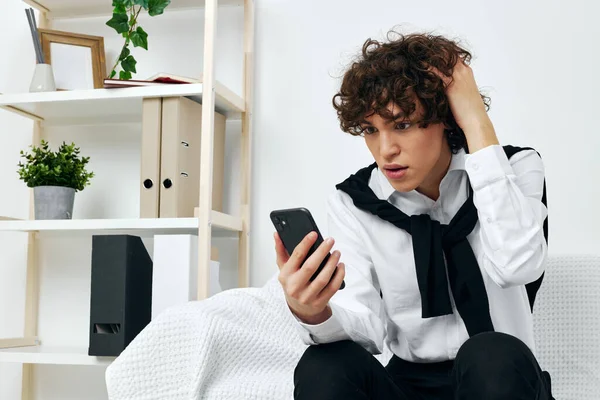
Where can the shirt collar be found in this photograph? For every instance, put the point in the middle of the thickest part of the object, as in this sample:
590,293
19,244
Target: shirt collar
457,163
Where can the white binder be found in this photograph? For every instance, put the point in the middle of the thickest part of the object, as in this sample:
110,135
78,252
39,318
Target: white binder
180,158
150,157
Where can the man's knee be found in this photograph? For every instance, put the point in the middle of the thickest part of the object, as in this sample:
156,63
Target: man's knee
331,360
494,349
495,366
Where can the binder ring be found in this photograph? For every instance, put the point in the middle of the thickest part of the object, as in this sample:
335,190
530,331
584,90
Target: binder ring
185,144
184,174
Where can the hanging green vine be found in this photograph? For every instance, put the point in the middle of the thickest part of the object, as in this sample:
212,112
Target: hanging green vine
125,21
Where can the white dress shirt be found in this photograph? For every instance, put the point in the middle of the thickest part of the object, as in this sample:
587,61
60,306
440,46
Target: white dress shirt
508,242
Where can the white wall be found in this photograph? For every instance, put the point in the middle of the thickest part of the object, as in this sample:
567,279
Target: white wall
535,58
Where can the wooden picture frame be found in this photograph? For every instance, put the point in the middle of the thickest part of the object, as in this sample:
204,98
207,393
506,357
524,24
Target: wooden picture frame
77,68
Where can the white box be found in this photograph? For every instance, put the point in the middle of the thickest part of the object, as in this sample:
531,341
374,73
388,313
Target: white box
175,272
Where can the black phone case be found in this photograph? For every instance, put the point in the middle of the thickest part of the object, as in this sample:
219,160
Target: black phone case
293,224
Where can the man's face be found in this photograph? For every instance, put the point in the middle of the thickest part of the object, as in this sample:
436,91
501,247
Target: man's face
404,152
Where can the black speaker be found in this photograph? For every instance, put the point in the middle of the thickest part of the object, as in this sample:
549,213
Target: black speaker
121,295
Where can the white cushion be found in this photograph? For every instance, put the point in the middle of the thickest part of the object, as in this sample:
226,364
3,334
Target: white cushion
567,326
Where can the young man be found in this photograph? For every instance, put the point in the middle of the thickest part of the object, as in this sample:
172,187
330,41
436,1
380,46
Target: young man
443,242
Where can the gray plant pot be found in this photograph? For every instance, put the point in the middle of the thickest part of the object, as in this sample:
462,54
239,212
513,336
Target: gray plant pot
53,202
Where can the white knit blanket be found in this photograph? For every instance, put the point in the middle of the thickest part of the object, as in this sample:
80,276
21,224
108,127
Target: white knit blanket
238,344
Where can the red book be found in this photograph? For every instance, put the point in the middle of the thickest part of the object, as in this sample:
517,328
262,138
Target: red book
158,79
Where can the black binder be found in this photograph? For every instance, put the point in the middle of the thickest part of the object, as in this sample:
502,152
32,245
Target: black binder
121,293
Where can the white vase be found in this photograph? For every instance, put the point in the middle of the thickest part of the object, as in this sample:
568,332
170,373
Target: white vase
43,79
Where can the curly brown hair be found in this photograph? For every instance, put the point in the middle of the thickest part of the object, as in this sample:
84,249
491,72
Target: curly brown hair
398,72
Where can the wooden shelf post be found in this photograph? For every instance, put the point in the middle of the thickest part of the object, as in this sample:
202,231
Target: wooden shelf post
206,150
32,288
246,152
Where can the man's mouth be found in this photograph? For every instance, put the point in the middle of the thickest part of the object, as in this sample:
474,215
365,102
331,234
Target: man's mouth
395,171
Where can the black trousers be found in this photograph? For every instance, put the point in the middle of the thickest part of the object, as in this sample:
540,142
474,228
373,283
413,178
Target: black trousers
489,366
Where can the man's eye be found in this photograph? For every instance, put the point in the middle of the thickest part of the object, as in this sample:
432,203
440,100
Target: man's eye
402,126
368,130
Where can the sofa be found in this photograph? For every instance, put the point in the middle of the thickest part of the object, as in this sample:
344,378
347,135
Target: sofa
243,344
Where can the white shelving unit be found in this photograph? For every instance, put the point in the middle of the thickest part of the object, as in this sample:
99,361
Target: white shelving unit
124,105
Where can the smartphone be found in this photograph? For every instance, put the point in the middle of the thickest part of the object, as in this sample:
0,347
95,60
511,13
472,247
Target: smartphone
293,224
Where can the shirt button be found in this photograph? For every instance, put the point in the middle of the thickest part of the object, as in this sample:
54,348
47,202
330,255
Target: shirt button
489,220
475,167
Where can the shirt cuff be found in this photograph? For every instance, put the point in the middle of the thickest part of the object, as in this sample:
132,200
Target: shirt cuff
326,331
487,166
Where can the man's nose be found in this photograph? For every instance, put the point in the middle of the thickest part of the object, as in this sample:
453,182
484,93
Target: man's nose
388,146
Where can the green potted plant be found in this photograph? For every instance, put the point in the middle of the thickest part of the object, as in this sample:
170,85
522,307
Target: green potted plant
55,176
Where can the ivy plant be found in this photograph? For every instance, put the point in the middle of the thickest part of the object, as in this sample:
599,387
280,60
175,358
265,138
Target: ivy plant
125,21
64,167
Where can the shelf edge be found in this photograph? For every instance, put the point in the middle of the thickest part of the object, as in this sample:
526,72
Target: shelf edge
5,218
47,356
109,224
37,5
228,96
104,10
228,102
18,342
225,221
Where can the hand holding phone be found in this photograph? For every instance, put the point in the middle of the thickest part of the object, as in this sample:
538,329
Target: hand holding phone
309,273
